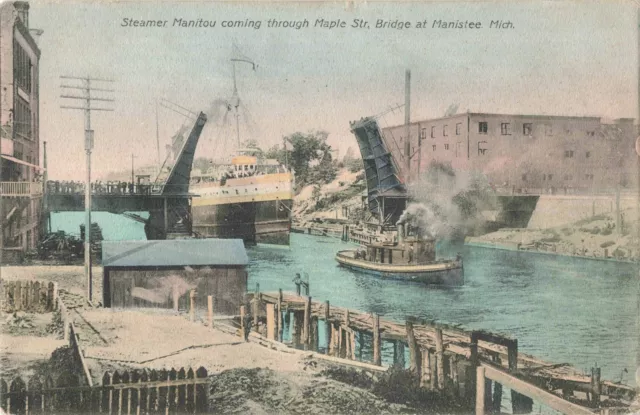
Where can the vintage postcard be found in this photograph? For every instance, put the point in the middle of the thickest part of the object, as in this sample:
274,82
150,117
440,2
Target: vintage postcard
319,207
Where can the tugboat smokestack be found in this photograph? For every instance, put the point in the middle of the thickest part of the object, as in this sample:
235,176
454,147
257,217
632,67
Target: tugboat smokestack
400,233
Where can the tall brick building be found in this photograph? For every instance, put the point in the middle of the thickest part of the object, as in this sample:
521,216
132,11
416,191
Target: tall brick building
524,153
20,183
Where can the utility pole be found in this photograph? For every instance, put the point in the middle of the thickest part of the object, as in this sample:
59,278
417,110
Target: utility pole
157,141
132,170
407,122
45,191
86,99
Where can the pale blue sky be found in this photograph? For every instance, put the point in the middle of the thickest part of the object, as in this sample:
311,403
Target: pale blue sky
566,58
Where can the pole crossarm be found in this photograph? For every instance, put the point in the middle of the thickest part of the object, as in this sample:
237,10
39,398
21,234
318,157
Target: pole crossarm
82,87
86,78
84,108
85,98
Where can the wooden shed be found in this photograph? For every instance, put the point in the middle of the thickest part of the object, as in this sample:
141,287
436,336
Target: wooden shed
161,273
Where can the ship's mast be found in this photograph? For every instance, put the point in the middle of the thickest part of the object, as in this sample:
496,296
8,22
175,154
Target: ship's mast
235,93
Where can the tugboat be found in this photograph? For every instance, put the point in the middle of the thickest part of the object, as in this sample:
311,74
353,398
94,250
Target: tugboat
404,257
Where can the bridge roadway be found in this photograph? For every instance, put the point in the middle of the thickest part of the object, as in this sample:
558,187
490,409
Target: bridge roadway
113,202
169,211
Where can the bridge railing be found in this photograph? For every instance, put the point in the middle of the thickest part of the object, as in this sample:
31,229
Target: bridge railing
102,188
20,188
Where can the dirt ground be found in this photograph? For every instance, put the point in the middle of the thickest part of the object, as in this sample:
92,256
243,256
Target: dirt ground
266,391
26,343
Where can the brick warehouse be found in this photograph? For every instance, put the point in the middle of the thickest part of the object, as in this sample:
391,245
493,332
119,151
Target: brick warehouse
548,153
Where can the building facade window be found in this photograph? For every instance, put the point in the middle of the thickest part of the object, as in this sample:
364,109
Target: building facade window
505,128
524,177
22,118
434,147
568,153
568,177
444,130
433,132
548,129
587,154
588,176
423,133
22,67
527,128
458,128
446,146
483,127
591,133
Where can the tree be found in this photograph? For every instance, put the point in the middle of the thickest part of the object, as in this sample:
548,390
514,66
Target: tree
303,150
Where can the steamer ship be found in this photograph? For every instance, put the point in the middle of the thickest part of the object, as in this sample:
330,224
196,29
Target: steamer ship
250,197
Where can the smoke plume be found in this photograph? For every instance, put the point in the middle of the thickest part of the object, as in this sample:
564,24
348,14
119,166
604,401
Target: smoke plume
448,203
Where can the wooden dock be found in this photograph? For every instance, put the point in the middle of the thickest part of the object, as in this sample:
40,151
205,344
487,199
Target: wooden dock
445,358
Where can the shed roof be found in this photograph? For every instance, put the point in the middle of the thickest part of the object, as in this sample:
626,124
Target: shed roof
176,252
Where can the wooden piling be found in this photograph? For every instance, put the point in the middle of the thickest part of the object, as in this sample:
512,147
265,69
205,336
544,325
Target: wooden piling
454,376
327,326
596,386
210,310
480,392
497,390
294,329
345,344
279,311
440,359
488,403
377,356
398,354
470,370
433,371
424,377
192,305
257,301
314,334
353,345
414,351
307,323
271,321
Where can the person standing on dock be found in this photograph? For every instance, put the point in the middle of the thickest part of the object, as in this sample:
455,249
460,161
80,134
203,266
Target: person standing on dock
246,322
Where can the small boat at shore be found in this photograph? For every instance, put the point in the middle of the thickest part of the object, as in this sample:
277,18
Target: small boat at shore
407,259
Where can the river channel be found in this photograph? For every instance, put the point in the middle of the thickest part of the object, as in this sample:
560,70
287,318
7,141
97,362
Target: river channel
564,310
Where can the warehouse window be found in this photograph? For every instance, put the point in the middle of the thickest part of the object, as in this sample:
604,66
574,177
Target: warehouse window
483,127
433,132
446,146
423,133
434,147
444,130
568,153
505,128
527,128
458,128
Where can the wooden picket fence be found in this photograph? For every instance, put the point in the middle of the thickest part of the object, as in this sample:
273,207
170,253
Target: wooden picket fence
130,392
33,296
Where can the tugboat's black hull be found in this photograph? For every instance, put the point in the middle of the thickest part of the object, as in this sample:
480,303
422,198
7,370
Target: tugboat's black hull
450,273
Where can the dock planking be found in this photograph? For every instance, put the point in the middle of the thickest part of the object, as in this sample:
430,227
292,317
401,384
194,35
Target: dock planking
446,357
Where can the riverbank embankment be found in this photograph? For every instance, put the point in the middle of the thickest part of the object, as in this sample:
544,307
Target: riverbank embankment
599,237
